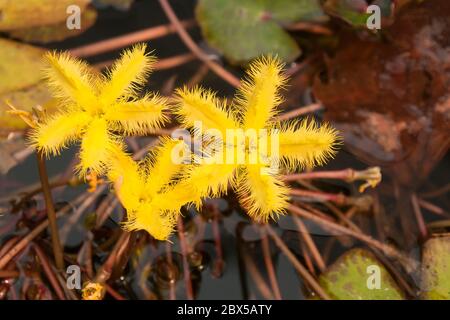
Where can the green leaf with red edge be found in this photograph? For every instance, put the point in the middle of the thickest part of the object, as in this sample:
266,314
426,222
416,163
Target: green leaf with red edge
348,278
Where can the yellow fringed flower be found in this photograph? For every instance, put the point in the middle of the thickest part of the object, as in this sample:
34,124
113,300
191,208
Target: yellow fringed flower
94,107
93,291
149,190
301,144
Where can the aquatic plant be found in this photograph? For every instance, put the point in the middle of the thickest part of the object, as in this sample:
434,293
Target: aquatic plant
150,190
100,110
94,108
298,144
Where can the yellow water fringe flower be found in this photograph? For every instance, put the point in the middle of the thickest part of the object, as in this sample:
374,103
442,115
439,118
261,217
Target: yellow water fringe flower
93,291
298,144
94,108
149,190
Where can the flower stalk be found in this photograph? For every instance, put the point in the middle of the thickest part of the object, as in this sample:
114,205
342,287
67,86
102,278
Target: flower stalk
51,213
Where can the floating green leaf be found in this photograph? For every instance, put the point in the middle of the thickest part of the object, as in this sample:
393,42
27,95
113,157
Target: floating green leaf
351,278
20,65
16,14
351,11
55,32
436,269
245,29
20,82
354,11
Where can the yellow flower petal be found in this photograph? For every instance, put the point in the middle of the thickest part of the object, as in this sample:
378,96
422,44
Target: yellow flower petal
305,144
58,131
127,177
258,96
263,195
71,80
148,217
201,106
127,75
139,116
164,163
210,179
96,146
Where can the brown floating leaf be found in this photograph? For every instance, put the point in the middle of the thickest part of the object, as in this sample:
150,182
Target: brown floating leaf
17,14
391,98
55,32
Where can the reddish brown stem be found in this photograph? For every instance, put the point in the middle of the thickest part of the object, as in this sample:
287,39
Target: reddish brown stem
187,40
56,244
162,64
409,264
198,76
53,185
339,199
184,253
172,295
269,265
218,265
49,272
9,274
437,192
21,244
419,217
113,292
309,27
307,258
346,175
432,207
128,39
310,243
310,280
105,271
254,273
300,111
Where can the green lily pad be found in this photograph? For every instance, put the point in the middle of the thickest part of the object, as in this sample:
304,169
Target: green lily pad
436,269
55,32
32,13
351,278
245,29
